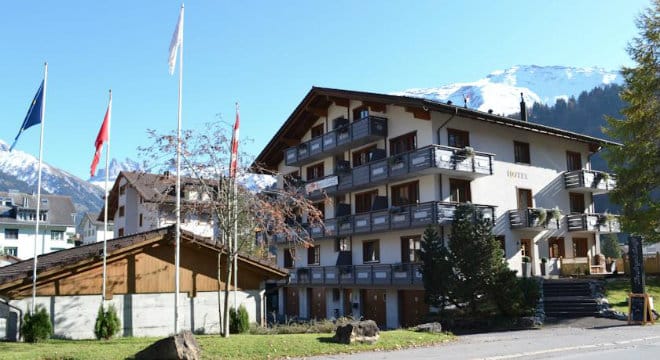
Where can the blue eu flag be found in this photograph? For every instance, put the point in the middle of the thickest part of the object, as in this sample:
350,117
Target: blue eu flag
34,114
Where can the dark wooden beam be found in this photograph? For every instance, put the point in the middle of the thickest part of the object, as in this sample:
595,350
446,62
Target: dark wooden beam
340,101
318,112
374,106
419,113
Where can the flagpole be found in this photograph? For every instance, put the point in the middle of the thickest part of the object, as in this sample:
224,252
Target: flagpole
36,226
235,191
105,211
177,251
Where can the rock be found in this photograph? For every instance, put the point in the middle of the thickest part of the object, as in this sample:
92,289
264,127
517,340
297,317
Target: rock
432,327
360,331
182,346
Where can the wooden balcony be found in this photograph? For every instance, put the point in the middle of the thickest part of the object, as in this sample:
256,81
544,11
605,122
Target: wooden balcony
357,133
590,181
403,217
432,159
532,219
594,223
403,275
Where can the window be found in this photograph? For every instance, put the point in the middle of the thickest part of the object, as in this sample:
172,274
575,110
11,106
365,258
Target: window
502,241
573,161
56,235
317,131
556,247
140,220
364,200
343,244
525,199
11,234
10,250
371,251
403,143
521,152
360,112
122,190
458,138
315,171
580,247
410,247
459,191
576,201
526,247
121,211
314,255
405,194
289,258
120,232
361,157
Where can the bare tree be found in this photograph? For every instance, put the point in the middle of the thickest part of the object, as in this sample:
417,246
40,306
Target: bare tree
280,213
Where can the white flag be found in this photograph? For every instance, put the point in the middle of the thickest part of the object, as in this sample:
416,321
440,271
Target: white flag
177,40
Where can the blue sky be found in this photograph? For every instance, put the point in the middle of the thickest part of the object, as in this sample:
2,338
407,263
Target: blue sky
267,55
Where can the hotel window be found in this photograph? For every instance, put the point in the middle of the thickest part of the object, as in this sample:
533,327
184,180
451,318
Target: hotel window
364,200
121,211
573,161
317,131
410,247
405,194
371,251
361,157
521,152
458,138
556,247
289,258
120,232
56,235
403,143
576,201
314,255
11,234
10,250
360,112
343,244
459,191
315,171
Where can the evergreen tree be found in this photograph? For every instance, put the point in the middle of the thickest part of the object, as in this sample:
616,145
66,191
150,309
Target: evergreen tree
434,269
610,246
637,162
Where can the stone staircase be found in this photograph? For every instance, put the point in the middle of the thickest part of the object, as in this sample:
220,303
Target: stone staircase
569,298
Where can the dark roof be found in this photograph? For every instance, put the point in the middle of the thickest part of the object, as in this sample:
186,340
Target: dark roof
69,258
94,219
307,112
59,208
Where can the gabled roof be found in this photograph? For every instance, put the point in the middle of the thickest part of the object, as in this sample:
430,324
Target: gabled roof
93,218
317,100
59,208
69,259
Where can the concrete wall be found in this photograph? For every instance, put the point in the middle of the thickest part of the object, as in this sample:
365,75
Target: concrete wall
73,317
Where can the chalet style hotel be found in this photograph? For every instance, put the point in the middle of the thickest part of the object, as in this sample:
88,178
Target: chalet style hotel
383,167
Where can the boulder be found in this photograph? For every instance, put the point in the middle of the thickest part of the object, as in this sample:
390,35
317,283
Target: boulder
432,327
360,331
181,346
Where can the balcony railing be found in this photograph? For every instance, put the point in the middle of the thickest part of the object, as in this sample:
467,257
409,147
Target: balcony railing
377,274
432,159
596,182
401,217
359,132
601,223
533,219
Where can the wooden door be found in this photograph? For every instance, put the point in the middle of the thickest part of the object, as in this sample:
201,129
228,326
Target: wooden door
348,304
525,199
412,308
580,247
316,298
526,247
374,306
292,302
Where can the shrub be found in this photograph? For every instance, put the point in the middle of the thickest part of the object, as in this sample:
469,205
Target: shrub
239,321
107,323
36,326
531,294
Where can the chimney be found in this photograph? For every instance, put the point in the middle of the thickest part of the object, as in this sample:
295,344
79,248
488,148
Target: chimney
523,109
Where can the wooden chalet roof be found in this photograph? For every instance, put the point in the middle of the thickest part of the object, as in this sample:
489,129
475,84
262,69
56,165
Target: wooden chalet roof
315,104
68,260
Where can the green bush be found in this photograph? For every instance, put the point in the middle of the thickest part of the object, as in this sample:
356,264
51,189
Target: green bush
37,326
311,327
239,321
107,323
531,294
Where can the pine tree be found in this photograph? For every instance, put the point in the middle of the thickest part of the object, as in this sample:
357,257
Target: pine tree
637,162
610,246
434,269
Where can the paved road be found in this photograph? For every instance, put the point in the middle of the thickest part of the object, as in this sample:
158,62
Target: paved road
552,342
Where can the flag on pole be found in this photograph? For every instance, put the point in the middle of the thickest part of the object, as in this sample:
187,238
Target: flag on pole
101,137
177,41
234,147
34,115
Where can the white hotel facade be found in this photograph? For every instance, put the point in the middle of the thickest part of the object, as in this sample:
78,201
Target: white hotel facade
384,167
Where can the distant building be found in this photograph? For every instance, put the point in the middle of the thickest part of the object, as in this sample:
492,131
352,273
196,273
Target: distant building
91,230
18,215
141,202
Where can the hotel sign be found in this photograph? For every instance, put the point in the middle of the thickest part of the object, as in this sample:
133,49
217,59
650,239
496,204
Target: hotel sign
516,174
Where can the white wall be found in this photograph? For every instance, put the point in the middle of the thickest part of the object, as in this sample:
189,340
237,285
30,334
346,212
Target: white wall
25,241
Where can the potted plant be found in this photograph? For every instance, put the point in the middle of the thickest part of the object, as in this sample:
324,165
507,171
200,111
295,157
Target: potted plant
540,215
526,267
467,151
544,266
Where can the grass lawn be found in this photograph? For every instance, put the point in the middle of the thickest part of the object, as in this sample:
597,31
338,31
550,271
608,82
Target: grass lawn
617,291
215,347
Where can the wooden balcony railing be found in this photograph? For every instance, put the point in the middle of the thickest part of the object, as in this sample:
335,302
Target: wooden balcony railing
533,219
601,223
403,274
589,181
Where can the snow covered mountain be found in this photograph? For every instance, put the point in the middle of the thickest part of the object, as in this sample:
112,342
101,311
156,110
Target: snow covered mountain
18,170
500,90
114,168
